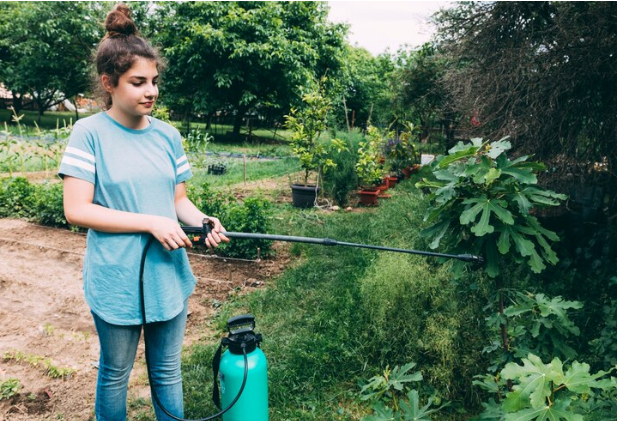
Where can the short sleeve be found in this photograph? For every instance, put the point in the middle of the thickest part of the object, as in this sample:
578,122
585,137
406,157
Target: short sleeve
183,168
79,158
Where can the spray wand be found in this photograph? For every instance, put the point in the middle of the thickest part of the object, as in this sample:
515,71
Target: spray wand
199,234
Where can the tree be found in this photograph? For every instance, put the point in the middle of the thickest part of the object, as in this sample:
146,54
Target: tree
364,88
543,73
240,56
45,49
418,93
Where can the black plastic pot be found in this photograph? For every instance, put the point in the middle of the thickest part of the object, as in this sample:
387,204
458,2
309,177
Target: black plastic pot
217,169
303,196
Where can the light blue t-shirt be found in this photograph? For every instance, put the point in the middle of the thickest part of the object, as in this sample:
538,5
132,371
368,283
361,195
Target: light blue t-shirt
135,171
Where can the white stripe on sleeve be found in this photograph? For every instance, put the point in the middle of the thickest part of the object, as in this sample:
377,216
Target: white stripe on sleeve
67,160
79,152
183,168
181,160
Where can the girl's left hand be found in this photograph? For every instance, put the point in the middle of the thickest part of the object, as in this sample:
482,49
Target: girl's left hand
217,235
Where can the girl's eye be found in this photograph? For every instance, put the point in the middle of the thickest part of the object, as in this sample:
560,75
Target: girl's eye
155,82
137,84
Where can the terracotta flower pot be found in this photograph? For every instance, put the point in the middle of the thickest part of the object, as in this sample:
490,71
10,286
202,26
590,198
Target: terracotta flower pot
391,181
410,170
368,197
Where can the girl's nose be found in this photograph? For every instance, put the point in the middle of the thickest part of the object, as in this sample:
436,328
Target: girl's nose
151,91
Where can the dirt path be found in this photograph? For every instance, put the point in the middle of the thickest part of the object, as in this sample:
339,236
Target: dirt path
43,317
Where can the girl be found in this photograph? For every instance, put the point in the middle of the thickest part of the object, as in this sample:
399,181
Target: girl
124,178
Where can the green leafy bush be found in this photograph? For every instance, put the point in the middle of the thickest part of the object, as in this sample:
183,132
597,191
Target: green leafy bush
606,344
250,216
549,392
338,184
483,202
392,400
370,170
537,324
48,206
42,203
16,198
306,125
400,151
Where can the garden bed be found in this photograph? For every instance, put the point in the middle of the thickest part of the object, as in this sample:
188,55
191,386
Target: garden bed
43,314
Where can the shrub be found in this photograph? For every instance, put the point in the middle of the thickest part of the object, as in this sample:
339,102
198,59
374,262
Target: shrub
16,198
49,206
250,216
339,183
606,344
392,399
369,169
41,203
550,391
306,125
483,201
536,324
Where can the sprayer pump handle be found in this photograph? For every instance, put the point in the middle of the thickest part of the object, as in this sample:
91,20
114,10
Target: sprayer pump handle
241,324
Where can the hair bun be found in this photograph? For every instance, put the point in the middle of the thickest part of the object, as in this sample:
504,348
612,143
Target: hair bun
119,22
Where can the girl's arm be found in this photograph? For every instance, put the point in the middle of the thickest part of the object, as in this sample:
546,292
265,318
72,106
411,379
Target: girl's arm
189,214
79,209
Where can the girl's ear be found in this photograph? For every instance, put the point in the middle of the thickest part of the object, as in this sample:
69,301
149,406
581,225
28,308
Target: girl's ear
106,81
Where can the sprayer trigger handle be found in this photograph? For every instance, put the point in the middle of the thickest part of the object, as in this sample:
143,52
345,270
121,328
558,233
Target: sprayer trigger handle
207,226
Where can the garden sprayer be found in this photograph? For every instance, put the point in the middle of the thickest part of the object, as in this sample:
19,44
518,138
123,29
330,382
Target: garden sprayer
242,368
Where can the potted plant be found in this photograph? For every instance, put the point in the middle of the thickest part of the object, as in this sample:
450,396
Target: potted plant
404,159
369,169
306,125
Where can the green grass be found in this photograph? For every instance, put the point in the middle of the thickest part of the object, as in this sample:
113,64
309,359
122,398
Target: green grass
50,119
224,130
255,170
251,149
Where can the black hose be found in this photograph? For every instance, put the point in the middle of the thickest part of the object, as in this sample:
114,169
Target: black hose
143,317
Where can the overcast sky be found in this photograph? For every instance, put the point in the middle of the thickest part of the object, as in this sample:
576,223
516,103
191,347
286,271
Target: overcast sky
377,25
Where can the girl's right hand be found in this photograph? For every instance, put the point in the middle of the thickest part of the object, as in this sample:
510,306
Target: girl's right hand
169,233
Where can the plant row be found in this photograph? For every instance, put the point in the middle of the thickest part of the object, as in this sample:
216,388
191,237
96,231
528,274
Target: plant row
43,204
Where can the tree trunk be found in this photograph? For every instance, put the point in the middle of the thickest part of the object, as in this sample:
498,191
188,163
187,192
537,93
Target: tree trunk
41,110
186,120
17,102
347,117
238,120
76,110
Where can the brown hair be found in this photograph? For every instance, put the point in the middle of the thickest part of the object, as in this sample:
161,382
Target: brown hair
120,48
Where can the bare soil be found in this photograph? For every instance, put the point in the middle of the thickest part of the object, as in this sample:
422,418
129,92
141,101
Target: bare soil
43,315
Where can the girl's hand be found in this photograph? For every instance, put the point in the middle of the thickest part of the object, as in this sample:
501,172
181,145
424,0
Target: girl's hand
216,236
169,233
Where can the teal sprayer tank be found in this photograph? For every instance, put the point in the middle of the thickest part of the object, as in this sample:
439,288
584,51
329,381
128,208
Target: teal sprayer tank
252,403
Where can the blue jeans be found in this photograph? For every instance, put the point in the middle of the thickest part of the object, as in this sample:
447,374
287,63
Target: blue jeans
118,349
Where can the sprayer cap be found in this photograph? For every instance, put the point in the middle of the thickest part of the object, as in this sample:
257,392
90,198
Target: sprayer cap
244,341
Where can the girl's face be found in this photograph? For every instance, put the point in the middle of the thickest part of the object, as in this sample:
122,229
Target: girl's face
135,94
